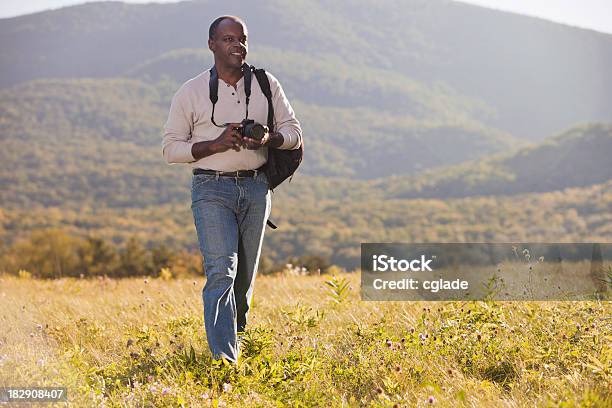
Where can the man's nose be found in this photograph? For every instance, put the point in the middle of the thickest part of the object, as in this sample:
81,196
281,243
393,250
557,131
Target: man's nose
239,43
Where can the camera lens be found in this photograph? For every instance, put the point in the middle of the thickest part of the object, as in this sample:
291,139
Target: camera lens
257,131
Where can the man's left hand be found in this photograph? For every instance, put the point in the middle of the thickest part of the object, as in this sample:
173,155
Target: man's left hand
274,139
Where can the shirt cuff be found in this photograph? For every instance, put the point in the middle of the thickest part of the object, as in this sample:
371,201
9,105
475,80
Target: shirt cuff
179,153
289,141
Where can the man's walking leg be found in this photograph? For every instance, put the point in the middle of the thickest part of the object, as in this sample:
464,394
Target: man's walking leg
254,213
217,230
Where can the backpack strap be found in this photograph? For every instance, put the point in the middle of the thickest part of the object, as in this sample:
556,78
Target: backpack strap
264,84
247,74
213,86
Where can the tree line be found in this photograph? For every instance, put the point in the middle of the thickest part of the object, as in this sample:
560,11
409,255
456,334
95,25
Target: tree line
54,253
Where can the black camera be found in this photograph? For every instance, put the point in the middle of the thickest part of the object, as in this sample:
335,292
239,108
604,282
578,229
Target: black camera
251,129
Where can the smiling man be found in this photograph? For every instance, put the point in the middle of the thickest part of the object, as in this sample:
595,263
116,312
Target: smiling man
230,194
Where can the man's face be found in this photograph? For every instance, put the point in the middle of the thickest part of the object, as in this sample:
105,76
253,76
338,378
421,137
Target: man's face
229,45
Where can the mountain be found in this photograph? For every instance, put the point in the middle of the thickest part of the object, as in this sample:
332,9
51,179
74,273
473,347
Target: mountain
99,140
575,158
424,121
532,77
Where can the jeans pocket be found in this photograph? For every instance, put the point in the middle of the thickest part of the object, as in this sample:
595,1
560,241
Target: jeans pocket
262,178
201,179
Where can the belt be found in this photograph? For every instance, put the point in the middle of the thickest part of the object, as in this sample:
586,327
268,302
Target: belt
237,173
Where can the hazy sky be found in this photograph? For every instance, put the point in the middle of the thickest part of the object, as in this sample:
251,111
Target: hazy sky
594,14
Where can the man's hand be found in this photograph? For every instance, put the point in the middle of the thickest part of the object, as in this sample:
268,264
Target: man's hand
274,139
229,139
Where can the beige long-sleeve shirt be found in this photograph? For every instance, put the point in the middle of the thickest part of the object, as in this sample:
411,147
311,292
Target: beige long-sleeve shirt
189,122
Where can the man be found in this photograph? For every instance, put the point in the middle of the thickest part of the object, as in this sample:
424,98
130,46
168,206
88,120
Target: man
230,198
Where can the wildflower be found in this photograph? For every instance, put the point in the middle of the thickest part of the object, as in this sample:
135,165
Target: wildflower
431,399
227,387
422,337
165,391
39,326
389,343
146,281
398,368
379,390
129,342
449,371
31,334
41,362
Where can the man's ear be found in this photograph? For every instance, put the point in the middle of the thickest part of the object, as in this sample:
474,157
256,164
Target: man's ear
211,45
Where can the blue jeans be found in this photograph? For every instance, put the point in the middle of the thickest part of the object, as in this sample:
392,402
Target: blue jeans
230,216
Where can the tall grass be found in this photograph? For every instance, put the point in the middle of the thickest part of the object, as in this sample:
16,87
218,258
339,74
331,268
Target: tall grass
141,342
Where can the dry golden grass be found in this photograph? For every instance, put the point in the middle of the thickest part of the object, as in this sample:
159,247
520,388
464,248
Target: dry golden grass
138,342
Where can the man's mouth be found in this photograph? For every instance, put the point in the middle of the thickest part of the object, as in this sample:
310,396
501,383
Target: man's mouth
238,54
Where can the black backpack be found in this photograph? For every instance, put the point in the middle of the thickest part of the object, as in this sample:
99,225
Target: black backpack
281,163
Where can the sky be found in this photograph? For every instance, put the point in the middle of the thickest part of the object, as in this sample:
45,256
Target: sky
592,14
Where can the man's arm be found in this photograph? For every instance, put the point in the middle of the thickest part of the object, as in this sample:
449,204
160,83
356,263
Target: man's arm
229,139
176,144
286,123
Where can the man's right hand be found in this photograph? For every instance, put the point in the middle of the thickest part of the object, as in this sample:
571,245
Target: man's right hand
229,139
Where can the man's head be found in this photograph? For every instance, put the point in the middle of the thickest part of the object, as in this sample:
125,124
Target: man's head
227,39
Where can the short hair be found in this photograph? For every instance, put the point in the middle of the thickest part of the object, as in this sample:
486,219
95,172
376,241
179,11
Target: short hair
212,30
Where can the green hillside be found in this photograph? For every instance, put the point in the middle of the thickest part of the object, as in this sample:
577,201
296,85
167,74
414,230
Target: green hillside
70,142
527,73
577,157
407,108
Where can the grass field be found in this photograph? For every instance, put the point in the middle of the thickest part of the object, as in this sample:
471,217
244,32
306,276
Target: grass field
141,342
